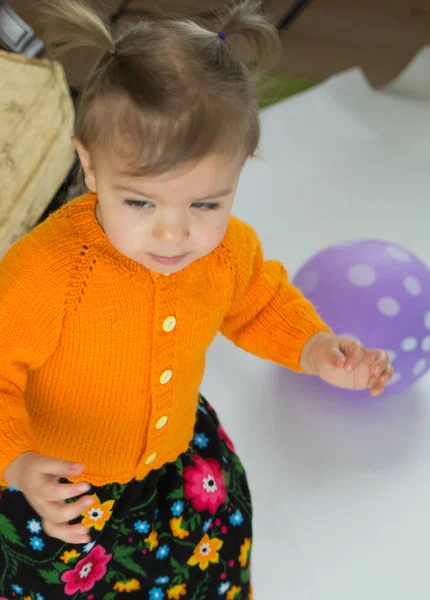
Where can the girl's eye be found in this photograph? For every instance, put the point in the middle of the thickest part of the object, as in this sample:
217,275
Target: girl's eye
206,205
138,203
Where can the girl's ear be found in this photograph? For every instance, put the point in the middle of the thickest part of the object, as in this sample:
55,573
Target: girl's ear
84,157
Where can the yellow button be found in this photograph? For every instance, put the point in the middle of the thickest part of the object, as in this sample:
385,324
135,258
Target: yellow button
151,458
161,422
169,324
166,274
166,377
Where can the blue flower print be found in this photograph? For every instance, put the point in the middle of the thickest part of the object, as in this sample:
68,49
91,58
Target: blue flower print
206,525
34,526
142,526
156,594
203,409
162,580
224,587
37,543
200,440
39,596
88,547
18,590
163,552
13,489
177,508
236,518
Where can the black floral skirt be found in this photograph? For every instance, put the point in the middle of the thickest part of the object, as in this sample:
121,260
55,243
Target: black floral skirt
182,533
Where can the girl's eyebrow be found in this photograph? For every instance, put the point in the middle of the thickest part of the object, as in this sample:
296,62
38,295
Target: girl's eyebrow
142,194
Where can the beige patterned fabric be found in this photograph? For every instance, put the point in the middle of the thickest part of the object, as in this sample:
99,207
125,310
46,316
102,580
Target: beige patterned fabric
36,153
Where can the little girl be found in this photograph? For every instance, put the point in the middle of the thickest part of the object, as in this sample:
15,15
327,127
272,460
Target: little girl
117,475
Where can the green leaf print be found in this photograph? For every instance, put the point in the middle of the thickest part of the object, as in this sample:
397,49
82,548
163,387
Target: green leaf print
109,596
61,567
117,490
8,531
13,567
245,576
122,555
194,522
51,576
176,494
124,530
183,572
113,575
121,552
238,465
129,563
174,563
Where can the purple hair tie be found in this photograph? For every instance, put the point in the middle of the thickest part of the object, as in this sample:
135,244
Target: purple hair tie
222,35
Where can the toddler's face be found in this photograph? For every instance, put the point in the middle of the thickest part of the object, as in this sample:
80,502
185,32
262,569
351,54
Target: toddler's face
168,221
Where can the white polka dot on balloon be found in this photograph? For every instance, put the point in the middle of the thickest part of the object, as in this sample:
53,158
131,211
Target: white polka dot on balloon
395,379
419,366
392,355
389,307
425,344
409,344
427,320
412,285
362,275
309,281
398,254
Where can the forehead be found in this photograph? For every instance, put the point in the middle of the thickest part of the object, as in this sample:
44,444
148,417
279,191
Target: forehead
206,175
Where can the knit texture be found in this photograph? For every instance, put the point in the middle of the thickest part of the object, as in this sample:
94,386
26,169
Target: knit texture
83,347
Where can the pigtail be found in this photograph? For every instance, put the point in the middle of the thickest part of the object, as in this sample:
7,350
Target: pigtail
250,35
73,24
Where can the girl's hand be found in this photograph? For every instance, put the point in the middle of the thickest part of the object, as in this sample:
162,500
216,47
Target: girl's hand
346,363
37,477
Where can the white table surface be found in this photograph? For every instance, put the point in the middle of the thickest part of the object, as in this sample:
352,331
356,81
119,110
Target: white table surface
341,489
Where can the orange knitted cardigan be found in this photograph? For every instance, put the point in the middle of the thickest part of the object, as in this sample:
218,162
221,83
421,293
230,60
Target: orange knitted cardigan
101,359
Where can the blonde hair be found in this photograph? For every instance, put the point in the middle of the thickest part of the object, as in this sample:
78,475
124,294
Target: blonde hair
168,91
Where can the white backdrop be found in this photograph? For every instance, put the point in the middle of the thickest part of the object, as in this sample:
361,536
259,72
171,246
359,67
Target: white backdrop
341,489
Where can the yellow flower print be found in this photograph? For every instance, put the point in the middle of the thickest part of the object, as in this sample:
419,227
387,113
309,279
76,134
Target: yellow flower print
176,592
206,552
27,598
97,515
233,592
152,540
244,553
176,527
127,586
69,554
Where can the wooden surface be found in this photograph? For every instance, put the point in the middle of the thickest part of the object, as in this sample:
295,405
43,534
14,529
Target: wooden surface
381,36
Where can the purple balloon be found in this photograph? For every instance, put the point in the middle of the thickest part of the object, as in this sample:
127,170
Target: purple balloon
378,292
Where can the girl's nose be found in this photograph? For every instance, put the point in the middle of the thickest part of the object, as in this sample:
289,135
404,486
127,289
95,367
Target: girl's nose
172,232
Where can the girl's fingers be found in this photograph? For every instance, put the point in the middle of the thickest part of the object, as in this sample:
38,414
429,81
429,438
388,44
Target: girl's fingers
63,513
58,492
354,352
377,385
71,534
336,358
381,362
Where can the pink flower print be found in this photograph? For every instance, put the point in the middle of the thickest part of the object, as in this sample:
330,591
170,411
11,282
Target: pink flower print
204,485
87,571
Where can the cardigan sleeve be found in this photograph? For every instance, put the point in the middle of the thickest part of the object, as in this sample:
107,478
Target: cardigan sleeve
32,302
268,317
